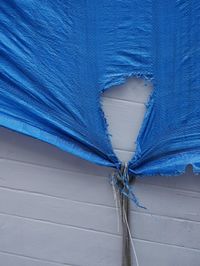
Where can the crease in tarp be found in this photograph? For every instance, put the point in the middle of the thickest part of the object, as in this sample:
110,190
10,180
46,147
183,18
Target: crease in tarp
57,59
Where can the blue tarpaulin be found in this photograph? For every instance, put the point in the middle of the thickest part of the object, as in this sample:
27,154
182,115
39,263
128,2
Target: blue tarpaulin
58,57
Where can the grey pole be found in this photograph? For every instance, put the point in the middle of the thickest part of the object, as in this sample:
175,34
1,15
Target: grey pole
126,251
124,206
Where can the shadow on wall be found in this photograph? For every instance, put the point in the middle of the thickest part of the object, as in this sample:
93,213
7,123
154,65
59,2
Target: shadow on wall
124,108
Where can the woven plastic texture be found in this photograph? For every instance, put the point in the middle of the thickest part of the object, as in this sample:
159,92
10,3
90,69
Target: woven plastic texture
57,57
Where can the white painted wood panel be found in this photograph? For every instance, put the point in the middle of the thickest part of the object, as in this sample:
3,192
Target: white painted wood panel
125,125
57,243
46,241
133,90
21,148
74,186
10,259
156,254
99,218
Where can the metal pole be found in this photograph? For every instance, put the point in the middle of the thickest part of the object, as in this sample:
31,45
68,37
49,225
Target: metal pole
126,250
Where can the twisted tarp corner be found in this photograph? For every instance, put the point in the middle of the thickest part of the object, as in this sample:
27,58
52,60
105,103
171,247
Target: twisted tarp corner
59,56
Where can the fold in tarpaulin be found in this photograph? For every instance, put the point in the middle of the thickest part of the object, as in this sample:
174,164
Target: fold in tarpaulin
57,57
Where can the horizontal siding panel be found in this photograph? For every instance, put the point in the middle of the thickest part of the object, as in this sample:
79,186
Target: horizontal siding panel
169,202
123,155
154,254
70,246
60,211
134,90
16,146
166,230
54,182
124,126
178,232
7,259
187,181
90,188
57,243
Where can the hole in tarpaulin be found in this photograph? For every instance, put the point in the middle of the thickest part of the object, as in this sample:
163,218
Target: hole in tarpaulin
124,109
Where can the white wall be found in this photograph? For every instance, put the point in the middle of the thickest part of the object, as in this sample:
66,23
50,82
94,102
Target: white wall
56,209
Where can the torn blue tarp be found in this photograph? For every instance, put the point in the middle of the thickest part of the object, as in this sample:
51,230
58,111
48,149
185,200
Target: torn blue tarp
57,57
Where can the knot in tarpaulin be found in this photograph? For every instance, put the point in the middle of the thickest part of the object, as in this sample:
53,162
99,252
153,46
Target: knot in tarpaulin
123,181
